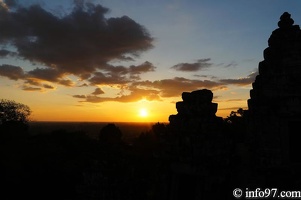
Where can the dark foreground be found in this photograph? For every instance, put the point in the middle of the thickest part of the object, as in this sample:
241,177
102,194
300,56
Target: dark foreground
157,164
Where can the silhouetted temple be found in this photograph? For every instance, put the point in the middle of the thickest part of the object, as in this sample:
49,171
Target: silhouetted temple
195,110
275,103
201,147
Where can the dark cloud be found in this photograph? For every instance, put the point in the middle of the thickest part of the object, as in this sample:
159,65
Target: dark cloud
12,72
98,91
174,87
29,88
112,75
205,76
241,81
232,64
51,75
48,86
156,90
5,53
100,78
143,68
192,67
34,77
46,74
79,96
83,85
226,65
78,43
33,82
135,95
10,3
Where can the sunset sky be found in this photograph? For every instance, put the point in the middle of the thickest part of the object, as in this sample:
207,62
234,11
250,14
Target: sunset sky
130,60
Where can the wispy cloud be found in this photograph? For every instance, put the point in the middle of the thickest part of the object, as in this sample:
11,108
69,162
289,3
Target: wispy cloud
136,94
166,88
192,67
29,88
241,81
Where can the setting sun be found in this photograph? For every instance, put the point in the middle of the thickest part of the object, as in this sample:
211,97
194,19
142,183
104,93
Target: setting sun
143,112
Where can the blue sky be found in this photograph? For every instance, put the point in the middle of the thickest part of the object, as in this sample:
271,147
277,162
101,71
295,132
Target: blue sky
220,42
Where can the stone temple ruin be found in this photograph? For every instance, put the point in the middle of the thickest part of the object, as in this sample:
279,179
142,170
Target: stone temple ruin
268,155
275,103
195,110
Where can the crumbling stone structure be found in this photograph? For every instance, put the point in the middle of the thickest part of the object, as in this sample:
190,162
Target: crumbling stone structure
201,147
195,112
275,100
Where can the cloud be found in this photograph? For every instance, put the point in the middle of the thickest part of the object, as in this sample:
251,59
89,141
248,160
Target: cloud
5,53
33,82
232,64
241,81
46,74
100,78
29,88
98,91
12,72
78,43
166,88
192,67
79,96
118,75
136,94
83,85
48,86
34,77
156,90
174,87
10,3
143,68
205,76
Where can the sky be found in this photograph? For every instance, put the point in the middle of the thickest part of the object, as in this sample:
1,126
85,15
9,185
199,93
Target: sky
130,60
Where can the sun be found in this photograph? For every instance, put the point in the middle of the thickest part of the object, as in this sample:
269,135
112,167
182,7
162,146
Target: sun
143,112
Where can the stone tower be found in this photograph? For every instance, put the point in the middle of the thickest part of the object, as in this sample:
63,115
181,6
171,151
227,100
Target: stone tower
275,100
200,148
194,111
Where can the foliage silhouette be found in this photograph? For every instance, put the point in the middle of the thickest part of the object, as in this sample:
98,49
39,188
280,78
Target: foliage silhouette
14,118
13,111
110,134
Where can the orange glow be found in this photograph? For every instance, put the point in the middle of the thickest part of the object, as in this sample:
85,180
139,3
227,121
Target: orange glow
57,106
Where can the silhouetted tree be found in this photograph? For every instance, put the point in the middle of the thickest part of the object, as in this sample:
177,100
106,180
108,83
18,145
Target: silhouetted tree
13,111
110,134
237,116
14,118
159,129
237,123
